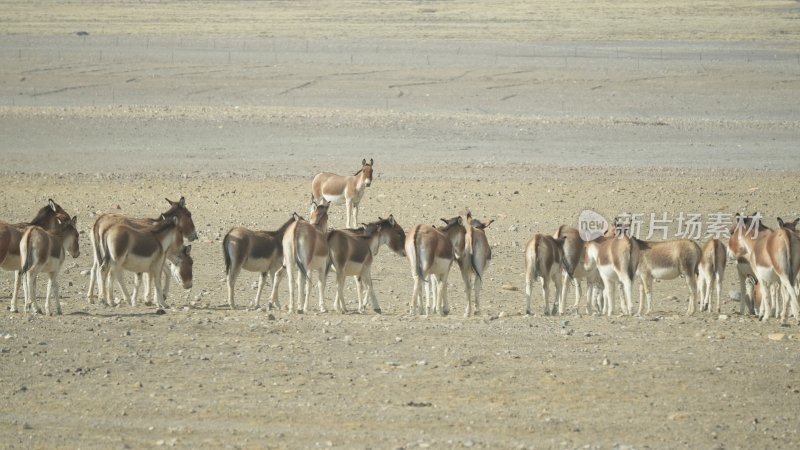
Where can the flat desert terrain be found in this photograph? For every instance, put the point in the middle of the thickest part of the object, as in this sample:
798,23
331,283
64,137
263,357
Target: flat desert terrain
527,113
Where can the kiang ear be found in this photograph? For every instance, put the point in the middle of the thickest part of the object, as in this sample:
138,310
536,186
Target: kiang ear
443,220
364,162
393,223
460,221
370,161
52,204
780,222
486,225
175,220
75,220
182,201
796,221
187,250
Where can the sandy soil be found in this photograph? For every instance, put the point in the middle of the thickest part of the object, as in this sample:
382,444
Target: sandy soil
645,109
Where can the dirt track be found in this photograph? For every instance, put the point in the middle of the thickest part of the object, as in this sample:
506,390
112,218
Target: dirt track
634,115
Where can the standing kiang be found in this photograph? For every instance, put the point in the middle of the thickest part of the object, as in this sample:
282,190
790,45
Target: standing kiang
338,189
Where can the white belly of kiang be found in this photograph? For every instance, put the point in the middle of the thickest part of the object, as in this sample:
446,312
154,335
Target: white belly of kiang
608,272
335,199
138,264
767,274
256,264
665,273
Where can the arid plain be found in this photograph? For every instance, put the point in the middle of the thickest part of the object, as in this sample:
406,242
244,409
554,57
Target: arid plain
527,113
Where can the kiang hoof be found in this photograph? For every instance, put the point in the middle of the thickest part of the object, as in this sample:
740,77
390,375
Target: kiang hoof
377,310
160,312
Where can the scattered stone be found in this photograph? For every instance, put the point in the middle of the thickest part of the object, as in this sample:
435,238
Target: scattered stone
501,314
681,416
348,339
270,317
777,336
606,362
512,228
722,317
509,287
160,312
419,404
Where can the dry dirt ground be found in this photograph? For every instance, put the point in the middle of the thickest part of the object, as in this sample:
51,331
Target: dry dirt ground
526,112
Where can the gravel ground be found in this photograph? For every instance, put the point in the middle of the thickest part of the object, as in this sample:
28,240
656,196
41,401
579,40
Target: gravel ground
645,114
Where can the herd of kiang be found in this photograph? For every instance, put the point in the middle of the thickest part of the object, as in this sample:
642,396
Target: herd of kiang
767,260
